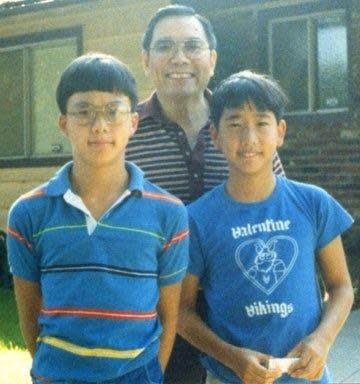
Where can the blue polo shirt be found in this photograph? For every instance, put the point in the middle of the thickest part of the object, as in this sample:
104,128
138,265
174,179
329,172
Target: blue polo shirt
100,278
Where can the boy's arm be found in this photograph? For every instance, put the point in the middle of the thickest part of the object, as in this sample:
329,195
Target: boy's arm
245,363
28,300
168,309
313,350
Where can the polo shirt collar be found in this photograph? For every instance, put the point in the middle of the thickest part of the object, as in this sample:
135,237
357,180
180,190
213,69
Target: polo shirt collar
136,178
151,107
59,184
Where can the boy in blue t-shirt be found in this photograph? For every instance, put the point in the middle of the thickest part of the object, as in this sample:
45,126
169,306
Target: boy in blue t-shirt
254,244
98,252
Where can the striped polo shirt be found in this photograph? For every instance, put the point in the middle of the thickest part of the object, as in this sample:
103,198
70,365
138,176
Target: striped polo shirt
160,148
99,278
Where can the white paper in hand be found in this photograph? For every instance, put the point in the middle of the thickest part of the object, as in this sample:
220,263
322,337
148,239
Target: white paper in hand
282,364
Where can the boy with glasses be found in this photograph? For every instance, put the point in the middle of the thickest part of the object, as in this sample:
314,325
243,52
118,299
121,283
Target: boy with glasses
98,252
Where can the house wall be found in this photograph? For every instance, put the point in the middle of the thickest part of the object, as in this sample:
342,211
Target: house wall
110,26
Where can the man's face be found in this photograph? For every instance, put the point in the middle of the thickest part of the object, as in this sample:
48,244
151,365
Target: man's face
98,125
184,70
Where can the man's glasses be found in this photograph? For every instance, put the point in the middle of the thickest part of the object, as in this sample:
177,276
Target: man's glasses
191,48
113,113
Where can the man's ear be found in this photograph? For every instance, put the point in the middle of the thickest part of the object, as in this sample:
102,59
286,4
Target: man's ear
281,129
214,134
213,59
145,61
62,123
134,122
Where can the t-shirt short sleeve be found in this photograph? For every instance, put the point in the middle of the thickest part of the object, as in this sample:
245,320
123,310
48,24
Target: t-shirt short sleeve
22,257
332,219
196,258
173,259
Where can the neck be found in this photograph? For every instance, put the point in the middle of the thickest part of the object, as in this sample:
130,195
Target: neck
250,188
97,181
189,111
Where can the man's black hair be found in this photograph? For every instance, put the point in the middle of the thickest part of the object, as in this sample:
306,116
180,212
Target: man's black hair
247,87
177,10
96,72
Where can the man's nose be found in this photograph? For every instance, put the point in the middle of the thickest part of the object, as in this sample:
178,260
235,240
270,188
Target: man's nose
178,55
248,133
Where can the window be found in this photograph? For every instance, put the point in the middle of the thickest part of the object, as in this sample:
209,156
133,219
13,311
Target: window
308,55
30,68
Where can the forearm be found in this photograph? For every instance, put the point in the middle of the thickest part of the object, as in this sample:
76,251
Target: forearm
167,339
30,331
335,311
168,309
192,328
339,291
28,299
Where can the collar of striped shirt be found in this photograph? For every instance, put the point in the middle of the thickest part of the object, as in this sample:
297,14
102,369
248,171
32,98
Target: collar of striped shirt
60,183
151,107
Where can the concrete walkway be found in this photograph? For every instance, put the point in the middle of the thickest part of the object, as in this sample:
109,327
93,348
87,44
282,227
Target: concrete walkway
344,356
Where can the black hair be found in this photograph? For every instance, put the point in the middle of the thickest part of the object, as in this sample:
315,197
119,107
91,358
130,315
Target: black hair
96,72
177,10
247,87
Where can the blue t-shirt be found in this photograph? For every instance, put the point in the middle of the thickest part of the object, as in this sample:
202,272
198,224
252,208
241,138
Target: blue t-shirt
256,264
99,280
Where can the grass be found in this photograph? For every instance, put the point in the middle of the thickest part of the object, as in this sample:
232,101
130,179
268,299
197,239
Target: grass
14,359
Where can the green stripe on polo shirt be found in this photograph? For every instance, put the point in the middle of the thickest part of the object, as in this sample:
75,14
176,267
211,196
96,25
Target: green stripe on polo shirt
130,229
58,227
115,227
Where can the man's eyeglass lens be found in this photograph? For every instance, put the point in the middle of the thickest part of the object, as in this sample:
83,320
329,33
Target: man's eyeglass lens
191,48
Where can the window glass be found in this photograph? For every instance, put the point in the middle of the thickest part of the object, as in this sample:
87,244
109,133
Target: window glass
332,62
30,67
11,104
47,64
290,61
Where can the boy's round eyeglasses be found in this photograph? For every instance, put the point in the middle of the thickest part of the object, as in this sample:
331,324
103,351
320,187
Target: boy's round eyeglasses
113,113
191,48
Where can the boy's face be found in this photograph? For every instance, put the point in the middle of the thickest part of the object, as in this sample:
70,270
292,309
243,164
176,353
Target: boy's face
186,69
98,125
249,138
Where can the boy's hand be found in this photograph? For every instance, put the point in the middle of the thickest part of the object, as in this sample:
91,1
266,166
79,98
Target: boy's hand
312,352
250,366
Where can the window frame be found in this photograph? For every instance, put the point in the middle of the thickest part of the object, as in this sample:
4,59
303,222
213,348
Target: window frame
312,59
323,7
49,38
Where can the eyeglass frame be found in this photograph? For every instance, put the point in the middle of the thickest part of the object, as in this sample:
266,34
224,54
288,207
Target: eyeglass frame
96,110
176,44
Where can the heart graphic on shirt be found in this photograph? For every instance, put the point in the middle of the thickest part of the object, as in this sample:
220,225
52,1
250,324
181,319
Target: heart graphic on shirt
266,264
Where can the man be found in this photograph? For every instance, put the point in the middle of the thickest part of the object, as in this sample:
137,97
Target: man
172,144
